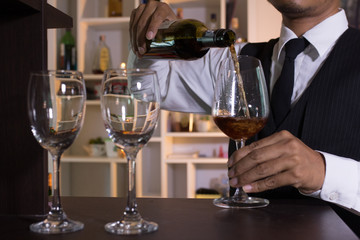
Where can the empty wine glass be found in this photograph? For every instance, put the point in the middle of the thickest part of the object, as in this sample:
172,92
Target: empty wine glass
240,110
130,107
56,107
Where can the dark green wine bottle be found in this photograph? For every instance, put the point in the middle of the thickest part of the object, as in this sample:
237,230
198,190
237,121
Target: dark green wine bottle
187,39
67,52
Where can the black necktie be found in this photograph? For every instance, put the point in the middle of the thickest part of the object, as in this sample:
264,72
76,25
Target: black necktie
282,92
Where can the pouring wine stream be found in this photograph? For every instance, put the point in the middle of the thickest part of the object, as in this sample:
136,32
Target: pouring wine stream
240,82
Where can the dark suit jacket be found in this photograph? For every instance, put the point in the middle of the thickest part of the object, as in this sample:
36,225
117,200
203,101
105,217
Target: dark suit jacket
327,116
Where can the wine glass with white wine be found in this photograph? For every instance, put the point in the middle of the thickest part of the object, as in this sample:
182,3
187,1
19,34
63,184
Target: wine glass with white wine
56,107
240,110
130,107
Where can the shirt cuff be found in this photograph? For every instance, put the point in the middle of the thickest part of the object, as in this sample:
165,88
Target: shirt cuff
314,194
341,182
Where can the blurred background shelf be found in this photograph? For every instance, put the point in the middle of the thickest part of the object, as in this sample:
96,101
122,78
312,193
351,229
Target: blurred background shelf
196,160
93,77
87,159
93,102
196,134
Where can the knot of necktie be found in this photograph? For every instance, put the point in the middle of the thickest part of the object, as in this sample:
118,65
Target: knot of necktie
294,47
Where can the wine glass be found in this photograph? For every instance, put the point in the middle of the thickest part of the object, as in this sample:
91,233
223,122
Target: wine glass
240,109
130,107
56,107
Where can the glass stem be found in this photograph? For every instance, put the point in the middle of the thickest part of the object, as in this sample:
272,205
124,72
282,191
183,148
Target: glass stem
131,213
239,192
56,212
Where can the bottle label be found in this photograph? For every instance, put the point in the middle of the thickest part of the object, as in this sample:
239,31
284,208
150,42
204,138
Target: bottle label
62,49
208,39
104,59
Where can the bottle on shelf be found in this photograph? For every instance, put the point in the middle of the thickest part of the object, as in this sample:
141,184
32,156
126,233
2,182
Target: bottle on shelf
186,39
180,13
115,8
213,21
236,29
102,57
221,152
67,54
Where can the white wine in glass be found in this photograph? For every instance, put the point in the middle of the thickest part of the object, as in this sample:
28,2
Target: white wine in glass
56,107
130,107
240,110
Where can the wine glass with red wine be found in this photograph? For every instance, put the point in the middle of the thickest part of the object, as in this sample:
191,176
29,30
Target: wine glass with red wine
240,109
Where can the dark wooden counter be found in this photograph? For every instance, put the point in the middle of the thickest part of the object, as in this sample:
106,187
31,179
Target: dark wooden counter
195,219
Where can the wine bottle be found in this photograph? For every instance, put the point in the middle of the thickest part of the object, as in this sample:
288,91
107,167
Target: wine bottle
180,13
67,54
102,58
115,8
236,29
213,21
186,39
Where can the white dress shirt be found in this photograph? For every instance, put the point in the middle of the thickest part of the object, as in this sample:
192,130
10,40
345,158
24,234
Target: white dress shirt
188,86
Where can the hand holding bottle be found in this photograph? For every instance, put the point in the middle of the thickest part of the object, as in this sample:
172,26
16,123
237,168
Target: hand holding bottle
145,21
187,39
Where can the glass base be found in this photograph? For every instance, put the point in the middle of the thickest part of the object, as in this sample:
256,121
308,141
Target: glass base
56,227
238,202
131,227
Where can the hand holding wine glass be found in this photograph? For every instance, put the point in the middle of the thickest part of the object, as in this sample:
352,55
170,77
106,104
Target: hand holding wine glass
56,106
130,106
240,110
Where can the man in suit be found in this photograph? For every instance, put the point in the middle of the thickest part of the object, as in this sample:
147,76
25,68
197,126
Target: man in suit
313,150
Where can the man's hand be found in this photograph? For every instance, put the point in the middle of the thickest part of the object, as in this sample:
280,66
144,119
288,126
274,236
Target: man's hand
278,160
145,21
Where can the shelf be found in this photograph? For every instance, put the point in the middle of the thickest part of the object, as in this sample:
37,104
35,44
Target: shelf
149,196
22,5
87,159
155,139
93,77
54,17
196,160
194,3
93,102
107,23
195,134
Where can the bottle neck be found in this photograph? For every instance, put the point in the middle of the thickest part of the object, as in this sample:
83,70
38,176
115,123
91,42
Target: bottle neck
218,38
